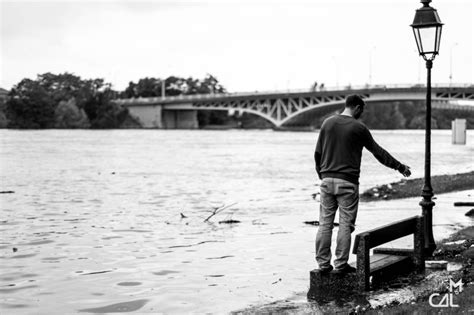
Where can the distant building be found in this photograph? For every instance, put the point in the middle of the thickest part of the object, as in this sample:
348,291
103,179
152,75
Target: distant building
3,96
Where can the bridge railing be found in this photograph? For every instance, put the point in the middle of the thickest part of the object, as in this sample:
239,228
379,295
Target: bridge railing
293,91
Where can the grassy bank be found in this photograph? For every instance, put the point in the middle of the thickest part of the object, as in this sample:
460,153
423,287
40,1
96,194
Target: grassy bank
412,187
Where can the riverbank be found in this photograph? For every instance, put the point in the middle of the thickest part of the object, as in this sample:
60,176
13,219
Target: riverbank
412,187
406,295
454,237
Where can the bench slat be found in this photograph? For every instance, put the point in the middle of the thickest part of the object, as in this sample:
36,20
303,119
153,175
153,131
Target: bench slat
380,261
377,257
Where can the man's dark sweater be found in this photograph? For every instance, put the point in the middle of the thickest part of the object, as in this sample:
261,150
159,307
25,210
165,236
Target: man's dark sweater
339,149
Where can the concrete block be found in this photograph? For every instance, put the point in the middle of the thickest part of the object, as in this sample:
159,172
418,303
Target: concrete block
331,285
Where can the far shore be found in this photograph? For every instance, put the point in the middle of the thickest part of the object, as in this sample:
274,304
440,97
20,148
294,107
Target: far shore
413,187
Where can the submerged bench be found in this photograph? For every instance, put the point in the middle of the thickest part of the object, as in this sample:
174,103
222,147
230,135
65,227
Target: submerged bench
388,261
384,263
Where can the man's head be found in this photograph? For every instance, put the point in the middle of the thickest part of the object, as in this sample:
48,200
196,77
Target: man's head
356,105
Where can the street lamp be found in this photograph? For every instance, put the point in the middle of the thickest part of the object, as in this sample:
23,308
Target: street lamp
427,30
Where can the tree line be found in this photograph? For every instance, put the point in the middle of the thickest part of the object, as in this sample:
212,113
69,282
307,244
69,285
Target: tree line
68,101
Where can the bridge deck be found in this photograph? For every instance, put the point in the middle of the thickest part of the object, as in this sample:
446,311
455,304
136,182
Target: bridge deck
469,89
281,107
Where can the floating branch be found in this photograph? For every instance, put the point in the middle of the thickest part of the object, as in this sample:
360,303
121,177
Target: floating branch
219,210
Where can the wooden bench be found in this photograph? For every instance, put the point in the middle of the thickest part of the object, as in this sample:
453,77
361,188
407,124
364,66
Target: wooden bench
388,261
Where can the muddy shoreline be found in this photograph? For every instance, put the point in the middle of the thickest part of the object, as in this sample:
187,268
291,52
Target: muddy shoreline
412,296
407,293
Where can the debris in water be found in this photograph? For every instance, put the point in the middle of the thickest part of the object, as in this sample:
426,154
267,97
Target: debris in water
463,204
229,222
7,192
316,223
470,213
183,216
96,272
218,210
222,257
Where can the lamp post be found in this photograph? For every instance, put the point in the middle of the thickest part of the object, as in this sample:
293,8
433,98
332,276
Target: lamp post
427,30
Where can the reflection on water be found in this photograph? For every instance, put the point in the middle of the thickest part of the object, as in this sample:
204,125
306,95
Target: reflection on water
95,216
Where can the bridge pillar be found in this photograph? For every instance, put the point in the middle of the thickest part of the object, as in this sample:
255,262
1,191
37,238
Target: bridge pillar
149,116
180,119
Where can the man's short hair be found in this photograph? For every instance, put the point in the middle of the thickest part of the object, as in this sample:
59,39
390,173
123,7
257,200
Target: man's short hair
354,100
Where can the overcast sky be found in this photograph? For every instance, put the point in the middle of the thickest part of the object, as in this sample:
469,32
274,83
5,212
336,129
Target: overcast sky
247,44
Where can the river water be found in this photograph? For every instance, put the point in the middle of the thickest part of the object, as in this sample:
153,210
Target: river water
94,222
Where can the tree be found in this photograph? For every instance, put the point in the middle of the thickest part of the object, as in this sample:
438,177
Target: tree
174,86
30,106
419,122
33,103
68,115
146,87
152,87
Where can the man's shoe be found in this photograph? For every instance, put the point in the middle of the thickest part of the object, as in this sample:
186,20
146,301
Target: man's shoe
325,271
345,269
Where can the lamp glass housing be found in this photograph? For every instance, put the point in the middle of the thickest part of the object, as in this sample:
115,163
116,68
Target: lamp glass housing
428,40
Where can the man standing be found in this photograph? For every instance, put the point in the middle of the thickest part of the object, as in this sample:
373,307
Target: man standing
338,155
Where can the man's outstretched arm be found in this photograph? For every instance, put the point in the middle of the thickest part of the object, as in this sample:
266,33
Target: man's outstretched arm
383,156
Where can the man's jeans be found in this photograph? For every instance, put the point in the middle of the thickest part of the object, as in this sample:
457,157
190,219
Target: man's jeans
336,193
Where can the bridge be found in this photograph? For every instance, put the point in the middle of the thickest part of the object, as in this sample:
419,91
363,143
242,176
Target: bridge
281,107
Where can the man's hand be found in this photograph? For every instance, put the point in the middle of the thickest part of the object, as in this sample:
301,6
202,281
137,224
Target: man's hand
404,170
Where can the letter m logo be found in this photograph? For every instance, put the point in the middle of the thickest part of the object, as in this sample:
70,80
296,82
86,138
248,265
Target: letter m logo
455,285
